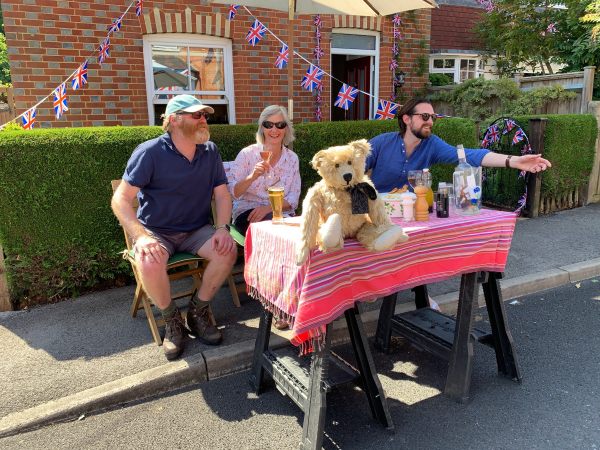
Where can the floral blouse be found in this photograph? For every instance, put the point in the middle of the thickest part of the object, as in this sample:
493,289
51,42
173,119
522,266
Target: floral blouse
287,171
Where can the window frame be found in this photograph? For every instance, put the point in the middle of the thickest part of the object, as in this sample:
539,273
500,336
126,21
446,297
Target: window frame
190,40
456,70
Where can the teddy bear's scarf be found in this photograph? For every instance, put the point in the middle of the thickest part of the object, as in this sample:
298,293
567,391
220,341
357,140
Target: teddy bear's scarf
360,194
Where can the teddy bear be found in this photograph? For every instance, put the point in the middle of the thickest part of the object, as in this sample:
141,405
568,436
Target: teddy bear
344,204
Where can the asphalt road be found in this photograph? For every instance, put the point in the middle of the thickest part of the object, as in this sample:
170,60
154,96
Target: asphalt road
556,407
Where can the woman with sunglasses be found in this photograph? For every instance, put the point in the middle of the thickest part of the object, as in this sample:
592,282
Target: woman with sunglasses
262,165
415,148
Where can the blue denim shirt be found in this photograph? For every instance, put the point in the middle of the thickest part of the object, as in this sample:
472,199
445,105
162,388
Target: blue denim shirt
175,193
390,165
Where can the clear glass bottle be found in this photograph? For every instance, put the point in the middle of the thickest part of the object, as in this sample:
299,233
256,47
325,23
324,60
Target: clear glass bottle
427,183
467,185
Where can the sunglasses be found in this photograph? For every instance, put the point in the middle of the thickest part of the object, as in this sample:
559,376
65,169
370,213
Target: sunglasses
279,125
426,116
195,115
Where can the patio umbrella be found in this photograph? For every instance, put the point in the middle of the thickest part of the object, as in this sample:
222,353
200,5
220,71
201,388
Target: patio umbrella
345,7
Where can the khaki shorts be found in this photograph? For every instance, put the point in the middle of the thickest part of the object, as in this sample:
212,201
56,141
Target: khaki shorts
189,242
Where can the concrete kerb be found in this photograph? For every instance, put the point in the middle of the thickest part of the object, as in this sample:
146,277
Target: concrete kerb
221,361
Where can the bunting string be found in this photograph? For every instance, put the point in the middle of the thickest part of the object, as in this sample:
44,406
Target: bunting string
312,80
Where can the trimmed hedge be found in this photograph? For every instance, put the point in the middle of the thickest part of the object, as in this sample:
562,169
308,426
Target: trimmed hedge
56,226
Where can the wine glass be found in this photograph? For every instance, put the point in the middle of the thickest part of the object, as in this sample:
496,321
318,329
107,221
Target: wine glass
266,156
415,177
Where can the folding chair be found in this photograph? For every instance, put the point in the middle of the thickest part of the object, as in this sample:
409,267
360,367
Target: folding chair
180,265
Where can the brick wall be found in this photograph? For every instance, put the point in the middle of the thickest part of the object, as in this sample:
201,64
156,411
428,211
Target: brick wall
452,28
48,39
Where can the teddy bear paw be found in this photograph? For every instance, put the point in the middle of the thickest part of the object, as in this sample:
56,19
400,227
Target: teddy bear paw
389,238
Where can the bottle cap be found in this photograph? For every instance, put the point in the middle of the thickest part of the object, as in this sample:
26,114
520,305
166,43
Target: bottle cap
461,151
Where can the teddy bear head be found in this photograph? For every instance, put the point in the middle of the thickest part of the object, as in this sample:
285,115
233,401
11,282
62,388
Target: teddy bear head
342,166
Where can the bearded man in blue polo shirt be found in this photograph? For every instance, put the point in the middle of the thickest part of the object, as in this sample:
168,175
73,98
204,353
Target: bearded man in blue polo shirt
415,148
174,178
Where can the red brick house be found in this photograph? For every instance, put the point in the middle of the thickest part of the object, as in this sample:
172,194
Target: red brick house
455,48
196,49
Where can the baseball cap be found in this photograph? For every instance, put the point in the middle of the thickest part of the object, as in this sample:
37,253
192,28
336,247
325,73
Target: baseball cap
186,103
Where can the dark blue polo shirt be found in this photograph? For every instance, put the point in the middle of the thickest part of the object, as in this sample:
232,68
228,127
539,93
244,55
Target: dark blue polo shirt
390,164
175,194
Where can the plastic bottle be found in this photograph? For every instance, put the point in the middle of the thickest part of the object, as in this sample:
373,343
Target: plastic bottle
467,190
427,183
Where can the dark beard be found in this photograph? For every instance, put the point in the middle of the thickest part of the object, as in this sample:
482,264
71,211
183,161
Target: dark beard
420,135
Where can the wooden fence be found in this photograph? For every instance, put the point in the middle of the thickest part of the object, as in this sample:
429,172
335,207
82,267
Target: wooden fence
581,83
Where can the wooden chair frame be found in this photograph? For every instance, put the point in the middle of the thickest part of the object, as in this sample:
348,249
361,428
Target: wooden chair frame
187,265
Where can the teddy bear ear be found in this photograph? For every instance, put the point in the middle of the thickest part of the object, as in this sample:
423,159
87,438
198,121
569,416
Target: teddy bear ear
317,159
361,148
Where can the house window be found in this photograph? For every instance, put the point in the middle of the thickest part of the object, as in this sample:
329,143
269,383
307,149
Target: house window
183,64
459,68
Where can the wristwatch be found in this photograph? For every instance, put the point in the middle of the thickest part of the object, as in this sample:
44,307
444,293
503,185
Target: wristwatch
225,225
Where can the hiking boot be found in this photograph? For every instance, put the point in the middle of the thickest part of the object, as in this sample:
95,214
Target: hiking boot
198,321
174,335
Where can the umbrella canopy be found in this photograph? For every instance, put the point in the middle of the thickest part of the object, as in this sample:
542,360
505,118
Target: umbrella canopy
347,7
343,7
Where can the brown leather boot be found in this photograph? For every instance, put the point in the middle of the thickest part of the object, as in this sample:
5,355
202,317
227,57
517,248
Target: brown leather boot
198,321
174,336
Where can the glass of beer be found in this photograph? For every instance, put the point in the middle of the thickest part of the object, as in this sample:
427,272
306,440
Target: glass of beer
276,200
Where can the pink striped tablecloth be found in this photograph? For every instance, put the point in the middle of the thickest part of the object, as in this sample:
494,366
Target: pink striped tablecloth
314,294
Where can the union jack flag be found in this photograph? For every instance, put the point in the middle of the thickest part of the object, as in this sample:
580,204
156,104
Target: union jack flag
104,51
29,119
232,11
60,100
80,77
317,21
493,134
509,124
397,20
346,96
282,57
518,137
386,110
256,33
138,7
115,26
485,143
393,65
312,78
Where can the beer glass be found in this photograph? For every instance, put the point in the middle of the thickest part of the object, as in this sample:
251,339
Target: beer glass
276,201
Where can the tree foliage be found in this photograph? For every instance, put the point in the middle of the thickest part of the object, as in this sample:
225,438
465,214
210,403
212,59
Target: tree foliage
519,33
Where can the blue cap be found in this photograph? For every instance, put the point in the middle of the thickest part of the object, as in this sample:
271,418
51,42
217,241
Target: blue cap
186,103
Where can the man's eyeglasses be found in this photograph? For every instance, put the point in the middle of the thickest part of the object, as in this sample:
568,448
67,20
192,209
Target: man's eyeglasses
195,115
426,116
279,125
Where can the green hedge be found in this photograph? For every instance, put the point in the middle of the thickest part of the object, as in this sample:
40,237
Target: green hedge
56,227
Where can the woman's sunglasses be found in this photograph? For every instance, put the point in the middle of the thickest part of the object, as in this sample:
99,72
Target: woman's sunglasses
196,115
279,125
426,116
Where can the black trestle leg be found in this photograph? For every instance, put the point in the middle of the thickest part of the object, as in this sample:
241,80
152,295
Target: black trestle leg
503,341
261,345
384,323
460,365
421,296
370,380
315,409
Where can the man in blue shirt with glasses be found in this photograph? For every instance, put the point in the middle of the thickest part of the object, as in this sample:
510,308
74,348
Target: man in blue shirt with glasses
415,148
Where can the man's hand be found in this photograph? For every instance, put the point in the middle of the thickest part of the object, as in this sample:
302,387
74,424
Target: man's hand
222,242
148,248
531,163
259,213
